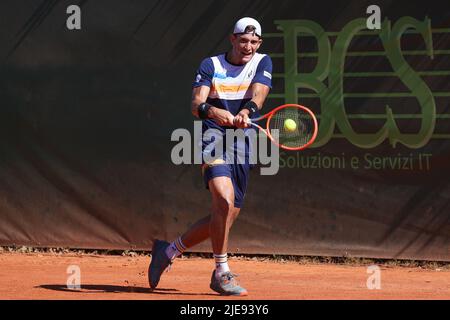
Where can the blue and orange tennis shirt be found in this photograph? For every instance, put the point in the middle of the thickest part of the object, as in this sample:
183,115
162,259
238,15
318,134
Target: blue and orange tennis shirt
230,84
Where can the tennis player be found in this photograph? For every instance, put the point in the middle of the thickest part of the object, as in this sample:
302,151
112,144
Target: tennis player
228,90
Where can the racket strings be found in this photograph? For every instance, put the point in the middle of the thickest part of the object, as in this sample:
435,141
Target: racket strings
298,137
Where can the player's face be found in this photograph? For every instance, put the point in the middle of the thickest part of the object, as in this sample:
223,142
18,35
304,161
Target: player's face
244,47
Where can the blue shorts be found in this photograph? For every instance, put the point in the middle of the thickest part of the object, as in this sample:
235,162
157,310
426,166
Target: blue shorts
238,150
238,173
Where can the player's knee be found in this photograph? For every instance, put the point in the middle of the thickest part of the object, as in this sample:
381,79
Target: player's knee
224,207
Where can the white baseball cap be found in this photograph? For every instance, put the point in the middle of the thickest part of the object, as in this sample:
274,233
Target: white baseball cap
242,24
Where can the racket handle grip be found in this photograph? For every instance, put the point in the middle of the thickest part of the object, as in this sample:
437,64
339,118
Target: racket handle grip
249,121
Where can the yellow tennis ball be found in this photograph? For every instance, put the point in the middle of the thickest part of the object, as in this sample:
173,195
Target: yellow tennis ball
290,125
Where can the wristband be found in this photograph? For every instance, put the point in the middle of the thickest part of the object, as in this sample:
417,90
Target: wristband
251,107
203,109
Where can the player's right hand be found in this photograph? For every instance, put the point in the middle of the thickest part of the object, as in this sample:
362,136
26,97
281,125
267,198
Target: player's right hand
223,117
241,119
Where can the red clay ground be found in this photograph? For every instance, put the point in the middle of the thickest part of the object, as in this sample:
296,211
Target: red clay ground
44,276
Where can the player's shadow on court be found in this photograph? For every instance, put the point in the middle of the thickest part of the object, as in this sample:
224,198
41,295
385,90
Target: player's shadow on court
101,288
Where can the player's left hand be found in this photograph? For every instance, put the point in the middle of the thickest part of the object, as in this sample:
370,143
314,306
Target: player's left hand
241,119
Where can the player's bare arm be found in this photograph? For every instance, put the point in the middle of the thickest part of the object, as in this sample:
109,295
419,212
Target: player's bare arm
259,94
220,116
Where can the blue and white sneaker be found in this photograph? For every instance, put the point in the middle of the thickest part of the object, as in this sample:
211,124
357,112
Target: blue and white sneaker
227,285
159,262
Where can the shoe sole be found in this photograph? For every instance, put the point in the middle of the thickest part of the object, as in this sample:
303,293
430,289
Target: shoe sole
241,294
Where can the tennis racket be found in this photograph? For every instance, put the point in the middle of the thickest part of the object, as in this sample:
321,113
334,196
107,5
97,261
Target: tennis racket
297,126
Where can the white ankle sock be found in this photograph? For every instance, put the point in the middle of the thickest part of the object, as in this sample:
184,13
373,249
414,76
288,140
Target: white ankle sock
175,249
221,264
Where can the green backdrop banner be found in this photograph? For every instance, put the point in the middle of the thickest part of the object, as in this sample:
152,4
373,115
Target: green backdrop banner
86,118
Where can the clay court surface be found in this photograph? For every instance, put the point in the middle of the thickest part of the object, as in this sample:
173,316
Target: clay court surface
44,276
